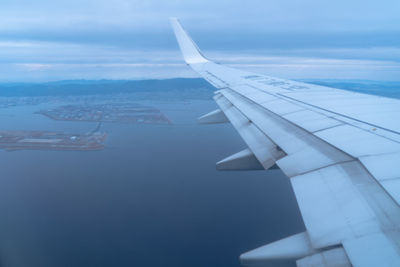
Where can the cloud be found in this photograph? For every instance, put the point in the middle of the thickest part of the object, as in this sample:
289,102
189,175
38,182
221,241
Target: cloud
33,67
222,14
121,20
46,39
140,65
55,72
311,68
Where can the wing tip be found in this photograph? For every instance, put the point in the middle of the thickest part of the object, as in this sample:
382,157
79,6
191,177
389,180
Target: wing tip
189,49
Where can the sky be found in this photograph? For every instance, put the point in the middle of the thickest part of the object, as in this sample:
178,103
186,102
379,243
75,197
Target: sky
47,40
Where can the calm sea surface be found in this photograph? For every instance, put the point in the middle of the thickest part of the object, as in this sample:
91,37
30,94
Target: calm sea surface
151,198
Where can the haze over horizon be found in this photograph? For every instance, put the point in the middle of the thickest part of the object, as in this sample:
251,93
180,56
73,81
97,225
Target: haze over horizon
47,41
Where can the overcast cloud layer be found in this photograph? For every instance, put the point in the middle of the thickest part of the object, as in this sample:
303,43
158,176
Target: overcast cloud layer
68,39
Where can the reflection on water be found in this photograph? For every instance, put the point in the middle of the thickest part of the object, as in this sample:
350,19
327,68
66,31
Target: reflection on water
152,197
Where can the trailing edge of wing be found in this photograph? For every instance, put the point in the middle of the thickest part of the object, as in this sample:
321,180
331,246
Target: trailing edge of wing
190,51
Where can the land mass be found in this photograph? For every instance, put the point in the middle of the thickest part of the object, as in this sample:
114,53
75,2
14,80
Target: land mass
44,140
181,88
110,112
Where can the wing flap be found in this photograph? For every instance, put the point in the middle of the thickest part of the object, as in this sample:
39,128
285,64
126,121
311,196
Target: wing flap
263,148
333,209
372,250
336,257
290,138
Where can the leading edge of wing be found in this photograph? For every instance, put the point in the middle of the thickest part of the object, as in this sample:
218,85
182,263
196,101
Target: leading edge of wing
190,50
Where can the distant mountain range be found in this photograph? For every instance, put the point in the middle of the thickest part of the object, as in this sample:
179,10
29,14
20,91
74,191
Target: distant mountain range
87,87
188,86
382,88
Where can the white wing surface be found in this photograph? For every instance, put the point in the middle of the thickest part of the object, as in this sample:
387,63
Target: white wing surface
340,150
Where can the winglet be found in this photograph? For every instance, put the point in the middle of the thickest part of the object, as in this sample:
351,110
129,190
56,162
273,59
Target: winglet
190,51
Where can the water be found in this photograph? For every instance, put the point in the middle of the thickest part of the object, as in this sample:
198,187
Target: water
151,198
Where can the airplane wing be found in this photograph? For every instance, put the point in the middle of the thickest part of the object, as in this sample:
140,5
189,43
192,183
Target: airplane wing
340,150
